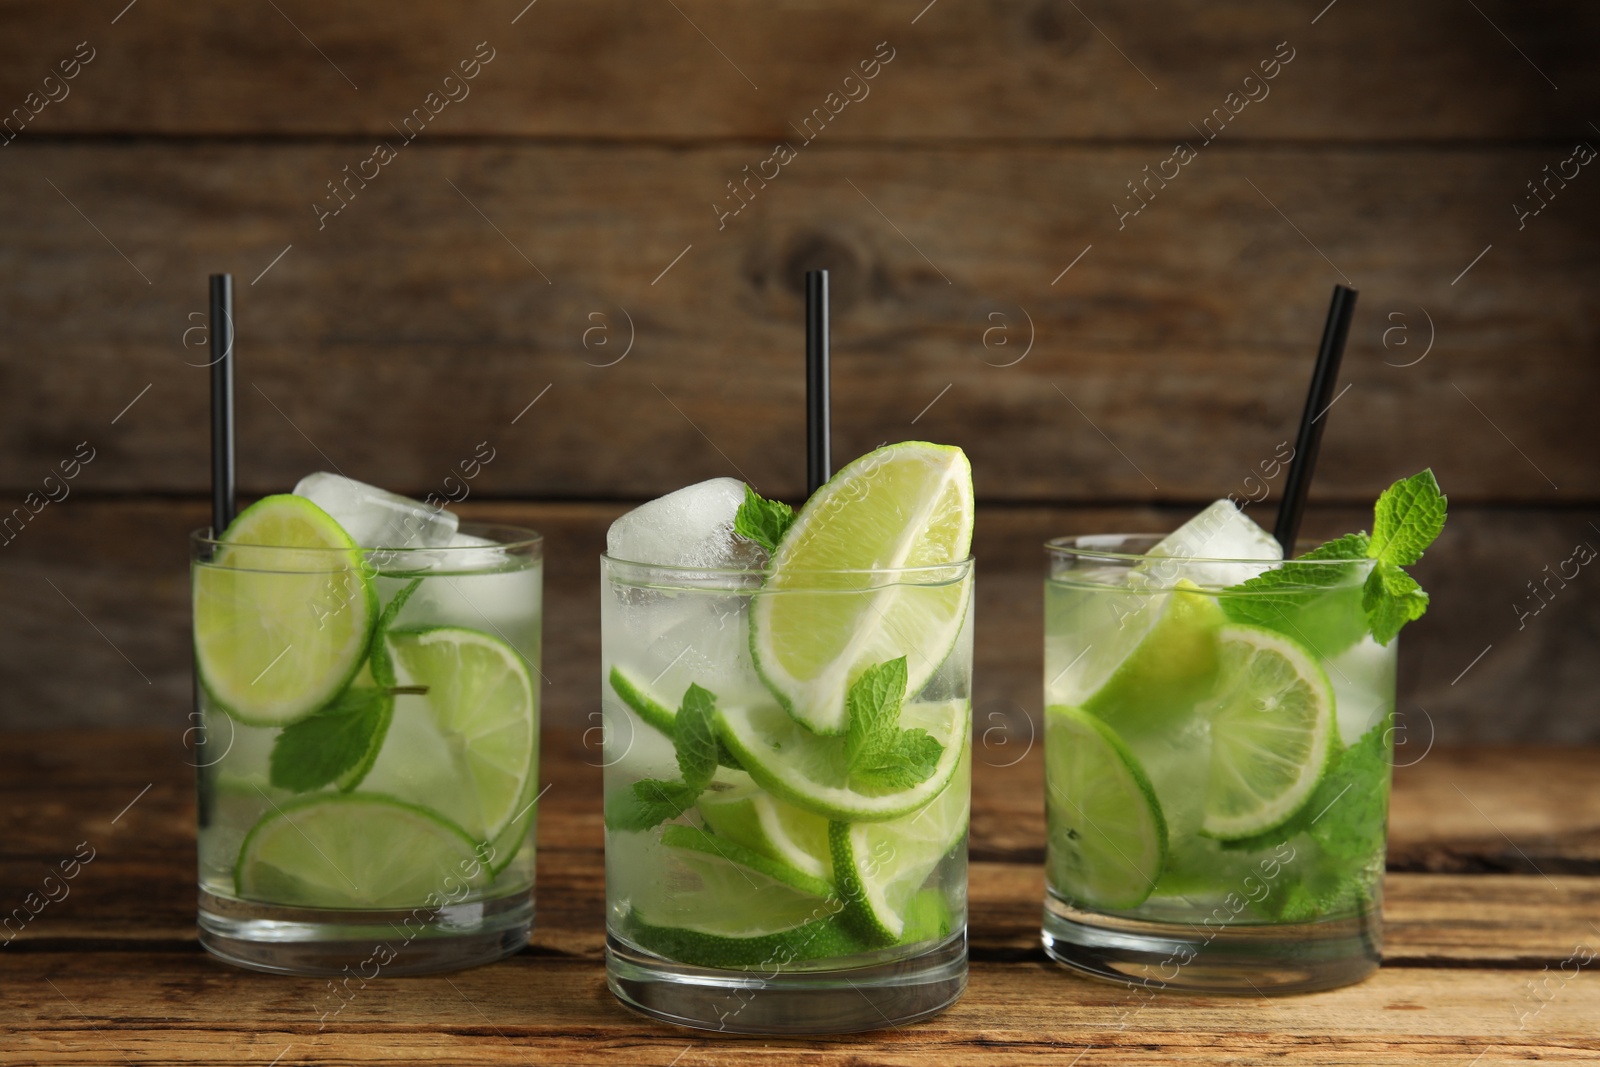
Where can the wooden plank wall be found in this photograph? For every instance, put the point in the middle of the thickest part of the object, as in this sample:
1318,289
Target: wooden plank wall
561,228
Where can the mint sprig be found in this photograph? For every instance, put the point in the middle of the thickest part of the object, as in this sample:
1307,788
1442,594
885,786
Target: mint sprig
1409,517
316,750
1314,603
338,737
695,738
880,755
652,801
1306,598
761,520
378,659
648,803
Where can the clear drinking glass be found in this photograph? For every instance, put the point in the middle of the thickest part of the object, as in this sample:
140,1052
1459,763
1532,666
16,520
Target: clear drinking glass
381,822
742,907
1217,769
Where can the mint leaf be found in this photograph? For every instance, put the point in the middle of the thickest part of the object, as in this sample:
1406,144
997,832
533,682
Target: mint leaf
657,715
762,521
1305,901
881,756
694,736
920,753
1348,809
906,761
1346,816
873,706
378,660
651,801
1391,598
1350,546
1409,516
648,803
1306,599
319,748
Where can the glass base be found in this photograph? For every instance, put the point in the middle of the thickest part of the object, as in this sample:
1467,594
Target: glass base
363,944
846,1000
1192,958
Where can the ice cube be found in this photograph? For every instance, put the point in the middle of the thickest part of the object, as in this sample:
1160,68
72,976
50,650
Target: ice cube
1225,539
689,635
1363,687
692,527
377,518
472,582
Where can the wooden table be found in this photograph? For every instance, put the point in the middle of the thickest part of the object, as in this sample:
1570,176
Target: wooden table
1494,884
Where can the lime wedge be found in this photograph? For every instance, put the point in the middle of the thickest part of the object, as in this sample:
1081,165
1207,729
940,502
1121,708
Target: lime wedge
881,866
810,771
1154,656
823,617
1106,835
356,851
468,748
1273,731
737,809
704,900
282,614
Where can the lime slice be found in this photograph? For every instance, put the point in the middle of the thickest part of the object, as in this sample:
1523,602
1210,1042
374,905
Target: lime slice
704,900
810,772
647,707
1106,835
821,939
657,714
736,808
356,851
281,623
823,617
1273,732
468,748
928,917
1153,657
700,849
881,866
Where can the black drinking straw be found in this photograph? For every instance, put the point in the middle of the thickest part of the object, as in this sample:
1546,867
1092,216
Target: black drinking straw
819,464
1312,422
223,499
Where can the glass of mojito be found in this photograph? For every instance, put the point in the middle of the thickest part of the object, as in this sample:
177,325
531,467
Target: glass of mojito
1218,738
787,700
367,696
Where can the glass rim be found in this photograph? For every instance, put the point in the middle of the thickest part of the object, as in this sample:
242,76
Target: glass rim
966,563
522,537
1068,547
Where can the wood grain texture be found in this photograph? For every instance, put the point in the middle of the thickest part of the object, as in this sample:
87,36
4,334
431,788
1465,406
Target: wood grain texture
190,1009
59,790
113,971
108,644
1167,364
972,71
